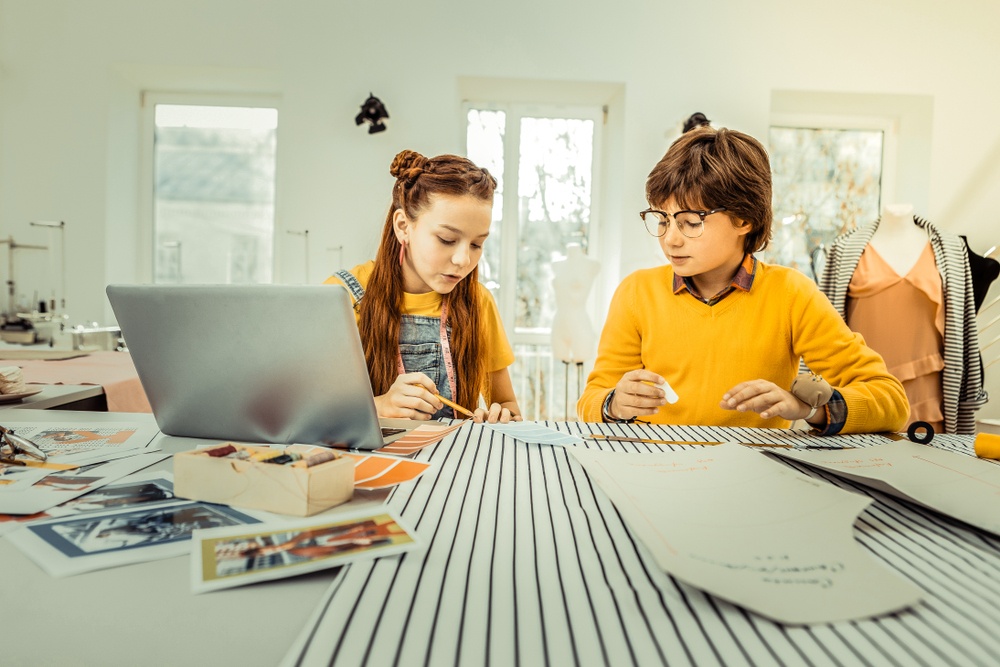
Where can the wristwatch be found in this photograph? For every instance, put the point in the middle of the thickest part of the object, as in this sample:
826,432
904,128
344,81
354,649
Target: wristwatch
812,390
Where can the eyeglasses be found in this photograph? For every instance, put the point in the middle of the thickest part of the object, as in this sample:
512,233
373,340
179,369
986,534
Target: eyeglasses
689,223
12,444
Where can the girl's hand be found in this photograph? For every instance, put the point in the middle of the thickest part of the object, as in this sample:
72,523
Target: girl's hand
765,398
411,396
496,414
635,395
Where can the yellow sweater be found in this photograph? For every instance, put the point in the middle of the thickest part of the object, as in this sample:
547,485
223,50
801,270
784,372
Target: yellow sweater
703,351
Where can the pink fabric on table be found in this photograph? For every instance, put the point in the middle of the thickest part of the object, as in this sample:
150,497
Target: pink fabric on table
114,371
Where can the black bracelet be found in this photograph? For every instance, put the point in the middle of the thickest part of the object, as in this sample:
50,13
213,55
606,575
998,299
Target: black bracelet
606,411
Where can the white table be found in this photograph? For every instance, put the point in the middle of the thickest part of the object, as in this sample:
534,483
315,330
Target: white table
530,564
63,397
142,614
527,563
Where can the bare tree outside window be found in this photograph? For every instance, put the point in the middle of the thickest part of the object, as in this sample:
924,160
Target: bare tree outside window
534,219
213,195
826,181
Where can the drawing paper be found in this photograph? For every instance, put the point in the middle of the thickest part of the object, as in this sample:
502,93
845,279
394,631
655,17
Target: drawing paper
961,486
742,527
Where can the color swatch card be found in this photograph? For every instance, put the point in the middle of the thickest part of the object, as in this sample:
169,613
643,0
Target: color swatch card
747,529
424,435
372,471
534,433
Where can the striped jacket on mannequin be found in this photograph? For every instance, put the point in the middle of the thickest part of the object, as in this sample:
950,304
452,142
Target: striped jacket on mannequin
962,377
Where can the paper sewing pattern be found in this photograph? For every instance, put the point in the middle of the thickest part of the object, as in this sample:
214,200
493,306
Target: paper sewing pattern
746,529
533,433
960,486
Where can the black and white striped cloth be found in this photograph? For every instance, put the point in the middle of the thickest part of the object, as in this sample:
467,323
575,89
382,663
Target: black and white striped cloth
528,563
962,377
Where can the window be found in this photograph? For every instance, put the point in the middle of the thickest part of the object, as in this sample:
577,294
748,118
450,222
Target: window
212,197
826,181
544,161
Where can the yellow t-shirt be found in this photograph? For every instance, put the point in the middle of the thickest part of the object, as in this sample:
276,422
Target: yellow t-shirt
429,305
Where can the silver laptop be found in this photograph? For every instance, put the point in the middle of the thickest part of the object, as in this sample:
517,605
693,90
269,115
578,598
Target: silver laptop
252,363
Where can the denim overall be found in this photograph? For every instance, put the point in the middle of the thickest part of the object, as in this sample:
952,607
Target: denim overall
419,345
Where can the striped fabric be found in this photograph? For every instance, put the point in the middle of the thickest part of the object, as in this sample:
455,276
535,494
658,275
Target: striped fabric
528,563
962,377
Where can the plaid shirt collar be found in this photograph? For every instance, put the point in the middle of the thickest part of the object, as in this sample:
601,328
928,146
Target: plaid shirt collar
742,280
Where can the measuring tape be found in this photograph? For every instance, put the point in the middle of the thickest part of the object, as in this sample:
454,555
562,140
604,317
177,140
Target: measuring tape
449,365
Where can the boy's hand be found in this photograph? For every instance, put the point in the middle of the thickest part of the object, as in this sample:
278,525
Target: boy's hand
765,398
635,395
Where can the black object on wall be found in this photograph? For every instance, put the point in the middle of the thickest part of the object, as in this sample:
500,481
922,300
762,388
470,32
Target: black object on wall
372,111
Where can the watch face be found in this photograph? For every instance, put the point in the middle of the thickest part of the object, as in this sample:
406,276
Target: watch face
811,389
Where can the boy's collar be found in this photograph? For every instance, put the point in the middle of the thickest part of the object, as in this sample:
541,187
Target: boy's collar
742,279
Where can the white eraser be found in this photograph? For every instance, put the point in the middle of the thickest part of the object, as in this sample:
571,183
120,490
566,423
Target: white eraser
669,392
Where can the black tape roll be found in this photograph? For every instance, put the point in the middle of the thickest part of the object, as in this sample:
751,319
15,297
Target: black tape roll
925,438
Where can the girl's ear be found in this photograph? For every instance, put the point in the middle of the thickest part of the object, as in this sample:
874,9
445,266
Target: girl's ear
400,224
743,227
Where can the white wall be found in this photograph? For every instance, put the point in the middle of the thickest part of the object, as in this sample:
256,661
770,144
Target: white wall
71,74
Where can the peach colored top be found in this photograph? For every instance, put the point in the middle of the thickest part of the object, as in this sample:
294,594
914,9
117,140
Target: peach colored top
902,318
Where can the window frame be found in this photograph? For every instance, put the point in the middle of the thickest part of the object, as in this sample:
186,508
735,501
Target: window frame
509,222
889,126
149,100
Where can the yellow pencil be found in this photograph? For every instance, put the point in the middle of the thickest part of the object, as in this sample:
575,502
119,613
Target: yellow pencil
455,406
622,438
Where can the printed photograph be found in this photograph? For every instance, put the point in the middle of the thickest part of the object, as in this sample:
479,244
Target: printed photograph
234,557
89,535
122,495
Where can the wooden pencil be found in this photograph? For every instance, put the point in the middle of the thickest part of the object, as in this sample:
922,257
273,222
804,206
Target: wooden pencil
653,441
453,405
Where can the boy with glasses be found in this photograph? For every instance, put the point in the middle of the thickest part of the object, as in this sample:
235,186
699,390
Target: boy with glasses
720,332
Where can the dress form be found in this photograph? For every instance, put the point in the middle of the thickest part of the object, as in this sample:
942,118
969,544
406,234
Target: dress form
898,239
573,336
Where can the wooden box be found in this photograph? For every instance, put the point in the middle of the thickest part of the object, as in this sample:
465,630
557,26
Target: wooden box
284,489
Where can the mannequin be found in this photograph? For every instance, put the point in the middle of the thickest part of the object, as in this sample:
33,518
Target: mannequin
897,239
906,286
573,337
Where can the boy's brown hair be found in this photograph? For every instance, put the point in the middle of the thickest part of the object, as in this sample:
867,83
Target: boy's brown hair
711,168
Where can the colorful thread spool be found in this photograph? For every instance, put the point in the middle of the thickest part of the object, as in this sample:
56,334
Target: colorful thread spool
987,446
